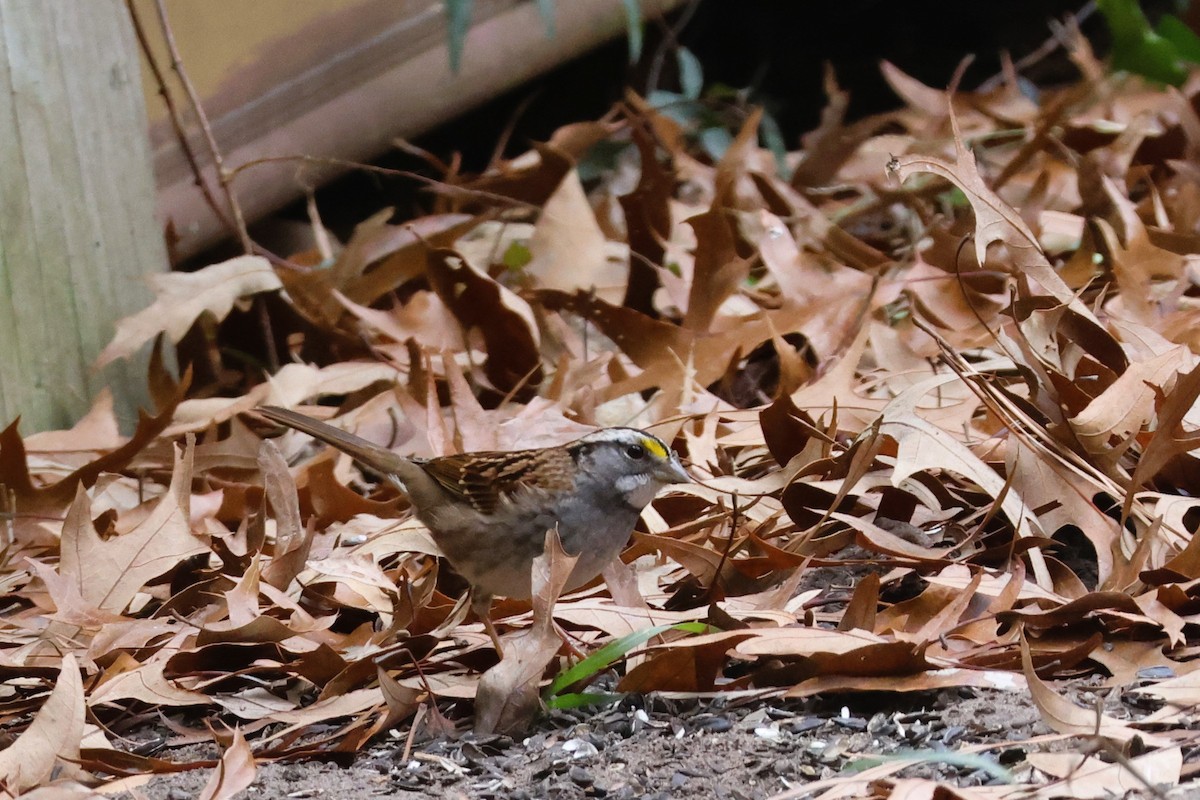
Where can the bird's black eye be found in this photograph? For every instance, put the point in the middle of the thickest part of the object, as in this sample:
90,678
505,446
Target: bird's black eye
636,452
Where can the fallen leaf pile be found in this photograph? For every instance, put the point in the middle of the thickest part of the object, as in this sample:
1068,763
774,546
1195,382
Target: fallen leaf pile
939,387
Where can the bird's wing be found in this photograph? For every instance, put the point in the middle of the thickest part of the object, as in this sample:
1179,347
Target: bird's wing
485,479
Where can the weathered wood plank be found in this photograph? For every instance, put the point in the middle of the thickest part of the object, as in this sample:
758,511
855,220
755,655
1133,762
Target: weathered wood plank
77,227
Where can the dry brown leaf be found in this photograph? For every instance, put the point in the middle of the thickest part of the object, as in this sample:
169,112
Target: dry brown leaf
827,148
688,665
377,258
234,773
926,447
995,220
1108,425
719,270
616,620
1182,691
1171,439
108,572
96,432
534,178
1083,776
485,307
507,697
401,700
568,251
181,297
292,540
423,319
930,102
395,254
1125,660
324,710
1063,496
878,540
1065,717
52,739
126,679
803,642
647,217
296,383
930,680
70,790
55,497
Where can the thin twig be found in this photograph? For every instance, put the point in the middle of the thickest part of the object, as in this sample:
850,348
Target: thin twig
194,98
268,334
401,173
670,39
506,135
176,117
1042,51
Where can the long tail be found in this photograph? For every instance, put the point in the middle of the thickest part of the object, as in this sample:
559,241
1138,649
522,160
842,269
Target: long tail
376,458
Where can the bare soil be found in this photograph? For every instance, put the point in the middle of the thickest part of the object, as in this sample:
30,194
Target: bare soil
654,747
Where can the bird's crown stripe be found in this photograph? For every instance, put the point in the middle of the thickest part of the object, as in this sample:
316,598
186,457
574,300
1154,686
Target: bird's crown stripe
655,447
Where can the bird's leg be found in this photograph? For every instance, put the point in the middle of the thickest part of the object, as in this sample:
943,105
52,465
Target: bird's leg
481,604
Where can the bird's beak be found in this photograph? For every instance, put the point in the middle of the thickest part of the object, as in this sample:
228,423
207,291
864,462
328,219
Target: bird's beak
673,472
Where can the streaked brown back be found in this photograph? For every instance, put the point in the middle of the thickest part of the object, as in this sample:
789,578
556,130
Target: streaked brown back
486,477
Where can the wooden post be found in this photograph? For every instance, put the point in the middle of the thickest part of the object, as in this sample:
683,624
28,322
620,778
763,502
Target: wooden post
77,226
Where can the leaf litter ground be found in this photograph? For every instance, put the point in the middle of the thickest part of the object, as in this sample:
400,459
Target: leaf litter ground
939,387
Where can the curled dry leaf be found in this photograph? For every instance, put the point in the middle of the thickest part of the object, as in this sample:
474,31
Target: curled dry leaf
569,252
508,694
1065,717
181,297
234,773
1088,776
53,498
51,741
485,307
995,220
109,572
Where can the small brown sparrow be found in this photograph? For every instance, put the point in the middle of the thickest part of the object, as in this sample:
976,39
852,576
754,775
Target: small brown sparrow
489,511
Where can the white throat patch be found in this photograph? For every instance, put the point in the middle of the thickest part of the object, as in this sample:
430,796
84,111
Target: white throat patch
637,489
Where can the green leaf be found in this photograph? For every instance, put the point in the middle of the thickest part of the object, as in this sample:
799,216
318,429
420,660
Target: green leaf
1137,48
580,699
516,256
691,74
611,653
723,91
1181,37
546,10
458,19
954,198
633,26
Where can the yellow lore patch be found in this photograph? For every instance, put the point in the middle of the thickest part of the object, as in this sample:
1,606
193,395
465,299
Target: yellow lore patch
655,447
